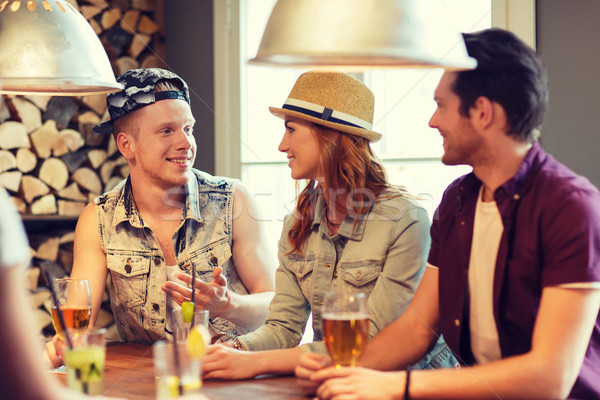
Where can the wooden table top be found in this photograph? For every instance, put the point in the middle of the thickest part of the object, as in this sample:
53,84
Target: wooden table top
129,373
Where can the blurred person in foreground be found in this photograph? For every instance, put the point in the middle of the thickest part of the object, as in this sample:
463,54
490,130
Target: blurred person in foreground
165,219
513,276
24,376
351,231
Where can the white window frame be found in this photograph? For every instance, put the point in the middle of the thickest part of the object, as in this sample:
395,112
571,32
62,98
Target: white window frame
517,16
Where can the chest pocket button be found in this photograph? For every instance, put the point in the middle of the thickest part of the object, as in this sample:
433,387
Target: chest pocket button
128,266
156,260
214,261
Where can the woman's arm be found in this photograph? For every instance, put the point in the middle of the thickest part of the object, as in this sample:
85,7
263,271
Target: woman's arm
224,362
402,270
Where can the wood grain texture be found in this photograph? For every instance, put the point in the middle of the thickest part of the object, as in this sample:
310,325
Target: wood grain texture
129,373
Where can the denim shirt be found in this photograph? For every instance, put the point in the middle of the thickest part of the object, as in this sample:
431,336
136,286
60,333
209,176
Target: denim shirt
384,256
136,263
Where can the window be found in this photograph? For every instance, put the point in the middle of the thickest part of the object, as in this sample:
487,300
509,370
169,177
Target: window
248,135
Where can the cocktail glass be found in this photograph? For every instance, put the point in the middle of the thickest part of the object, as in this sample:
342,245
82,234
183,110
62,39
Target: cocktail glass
84,363
177,372
74,300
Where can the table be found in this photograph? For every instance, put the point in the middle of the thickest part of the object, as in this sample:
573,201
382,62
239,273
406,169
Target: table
129,373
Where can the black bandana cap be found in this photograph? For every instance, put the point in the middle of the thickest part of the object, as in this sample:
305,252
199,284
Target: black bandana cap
137,92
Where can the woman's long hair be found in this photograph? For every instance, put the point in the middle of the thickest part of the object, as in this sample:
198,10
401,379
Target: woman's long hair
352,175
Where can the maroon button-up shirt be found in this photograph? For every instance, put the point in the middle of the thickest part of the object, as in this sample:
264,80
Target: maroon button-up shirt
551,219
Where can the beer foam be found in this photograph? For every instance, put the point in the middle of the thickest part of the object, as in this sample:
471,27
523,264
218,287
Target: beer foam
345,316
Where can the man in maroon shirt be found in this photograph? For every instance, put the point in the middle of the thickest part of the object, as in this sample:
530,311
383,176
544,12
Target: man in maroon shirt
513,277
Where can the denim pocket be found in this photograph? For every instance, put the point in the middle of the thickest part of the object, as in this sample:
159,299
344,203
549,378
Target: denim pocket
361,273
209,258
301,266
129,274
439,357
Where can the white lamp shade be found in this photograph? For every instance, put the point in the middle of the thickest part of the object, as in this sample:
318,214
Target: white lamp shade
362,33
47,47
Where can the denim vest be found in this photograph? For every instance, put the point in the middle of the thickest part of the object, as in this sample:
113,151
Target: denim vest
383,256
136,263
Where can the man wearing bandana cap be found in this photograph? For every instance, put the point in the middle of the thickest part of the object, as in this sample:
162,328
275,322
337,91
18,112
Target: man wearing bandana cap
167,218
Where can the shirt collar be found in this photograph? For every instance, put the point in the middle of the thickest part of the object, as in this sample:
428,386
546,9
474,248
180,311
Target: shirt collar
520,181
347,229
126,209
192,203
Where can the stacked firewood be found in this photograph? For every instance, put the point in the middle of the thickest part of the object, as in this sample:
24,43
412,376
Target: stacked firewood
131,31
52,163
51,168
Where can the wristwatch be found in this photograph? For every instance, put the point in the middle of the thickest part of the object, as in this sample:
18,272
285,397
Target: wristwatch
226,337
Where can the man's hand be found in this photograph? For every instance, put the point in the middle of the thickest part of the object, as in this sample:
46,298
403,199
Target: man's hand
308,365
213,296
359,383
55,350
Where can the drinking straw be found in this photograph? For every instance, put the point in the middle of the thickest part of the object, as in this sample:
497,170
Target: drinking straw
176,354
193,294
61,317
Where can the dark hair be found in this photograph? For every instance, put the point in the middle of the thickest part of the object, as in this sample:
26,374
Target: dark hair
510,73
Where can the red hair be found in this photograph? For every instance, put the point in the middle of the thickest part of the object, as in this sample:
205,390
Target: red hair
347,166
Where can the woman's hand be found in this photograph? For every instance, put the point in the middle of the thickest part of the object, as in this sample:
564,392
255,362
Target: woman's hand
224,362
308,365
213,296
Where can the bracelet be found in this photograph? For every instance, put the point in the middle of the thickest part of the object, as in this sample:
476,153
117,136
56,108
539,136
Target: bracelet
226,306
406,394
225,337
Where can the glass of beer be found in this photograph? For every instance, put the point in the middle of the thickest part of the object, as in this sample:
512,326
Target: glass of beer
345,326
75,302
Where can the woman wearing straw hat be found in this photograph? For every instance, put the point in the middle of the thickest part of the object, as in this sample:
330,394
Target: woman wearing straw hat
351,231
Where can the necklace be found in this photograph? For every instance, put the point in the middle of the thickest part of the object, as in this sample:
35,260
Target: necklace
329,222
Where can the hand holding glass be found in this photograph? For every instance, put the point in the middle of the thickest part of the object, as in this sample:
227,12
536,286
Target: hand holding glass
345,326
74,300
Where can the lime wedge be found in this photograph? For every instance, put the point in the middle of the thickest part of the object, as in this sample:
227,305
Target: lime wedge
197,341
187,311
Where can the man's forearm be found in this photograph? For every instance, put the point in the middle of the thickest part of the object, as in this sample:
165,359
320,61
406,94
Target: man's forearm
397,346
520,377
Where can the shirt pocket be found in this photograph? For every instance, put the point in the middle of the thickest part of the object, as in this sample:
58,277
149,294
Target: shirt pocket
361,274
129,274
301,266
209,258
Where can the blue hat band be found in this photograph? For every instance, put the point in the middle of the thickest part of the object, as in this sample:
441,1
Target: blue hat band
325,115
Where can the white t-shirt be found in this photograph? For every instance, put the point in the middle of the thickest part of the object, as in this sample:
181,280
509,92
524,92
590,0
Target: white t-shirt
172,271
14,249
487,232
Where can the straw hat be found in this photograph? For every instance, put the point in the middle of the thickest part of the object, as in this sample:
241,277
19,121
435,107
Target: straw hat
332,99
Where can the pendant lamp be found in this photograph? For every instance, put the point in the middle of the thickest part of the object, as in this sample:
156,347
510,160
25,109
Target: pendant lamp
48,48
362,34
